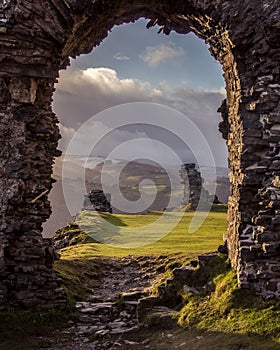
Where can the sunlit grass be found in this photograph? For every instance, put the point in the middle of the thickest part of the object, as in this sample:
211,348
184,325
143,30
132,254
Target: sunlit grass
230,310
178,240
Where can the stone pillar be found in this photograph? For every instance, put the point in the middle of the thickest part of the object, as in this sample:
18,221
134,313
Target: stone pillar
253,141
259,239
28,142
191,179
98,200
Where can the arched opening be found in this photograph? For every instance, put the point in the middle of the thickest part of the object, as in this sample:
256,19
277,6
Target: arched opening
221,48
246,46
156,76
92,86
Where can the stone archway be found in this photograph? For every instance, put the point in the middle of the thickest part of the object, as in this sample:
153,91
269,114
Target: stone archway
38,37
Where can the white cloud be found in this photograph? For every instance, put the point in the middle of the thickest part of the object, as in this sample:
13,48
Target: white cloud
83,93
92,81
198,101
108,81
118,56
154,55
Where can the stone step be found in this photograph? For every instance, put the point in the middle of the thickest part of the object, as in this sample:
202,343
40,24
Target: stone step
124,330
133,295
94,308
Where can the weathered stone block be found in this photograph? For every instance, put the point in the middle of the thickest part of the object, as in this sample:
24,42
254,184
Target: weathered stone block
25,295
183,273
23,90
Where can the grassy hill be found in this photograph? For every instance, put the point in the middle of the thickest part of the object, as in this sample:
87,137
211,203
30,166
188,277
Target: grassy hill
179,241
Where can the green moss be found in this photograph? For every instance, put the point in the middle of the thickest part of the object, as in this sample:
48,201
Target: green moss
74,234
206,275
78,276
231,310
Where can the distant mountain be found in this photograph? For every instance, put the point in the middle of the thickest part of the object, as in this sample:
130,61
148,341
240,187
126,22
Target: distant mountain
131,176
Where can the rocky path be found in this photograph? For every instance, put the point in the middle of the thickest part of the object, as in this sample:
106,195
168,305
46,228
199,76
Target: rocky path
108,318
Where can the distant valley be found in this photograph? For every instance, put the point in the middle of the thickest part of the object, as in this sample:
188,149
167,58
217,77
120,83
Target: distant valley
98,171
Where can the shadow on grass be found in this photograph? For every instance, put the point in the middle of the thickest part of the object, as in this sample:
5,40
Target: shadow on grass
101,227
114,220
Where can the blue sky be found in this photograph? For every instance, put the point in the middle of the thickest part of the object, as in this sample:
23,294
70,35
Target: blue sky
135,64
123,48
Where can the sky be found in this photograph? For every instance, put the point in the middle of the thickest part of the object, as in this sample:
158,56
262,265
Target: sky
135,64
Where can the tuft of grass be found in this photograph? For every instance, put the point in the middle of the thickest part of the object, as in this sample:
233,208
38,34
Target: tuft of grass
230,310
79,276
74,234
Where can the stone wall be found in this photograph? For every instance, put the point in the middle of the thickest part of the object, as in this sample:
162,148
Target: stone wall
38,37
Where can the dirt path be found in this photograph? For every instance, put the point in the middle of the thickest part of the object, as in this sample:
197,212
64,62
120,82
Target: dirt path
103,322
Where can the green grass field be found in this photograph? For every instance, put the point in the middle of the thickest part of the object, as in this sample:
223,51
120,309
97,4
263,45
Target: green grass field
134,227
